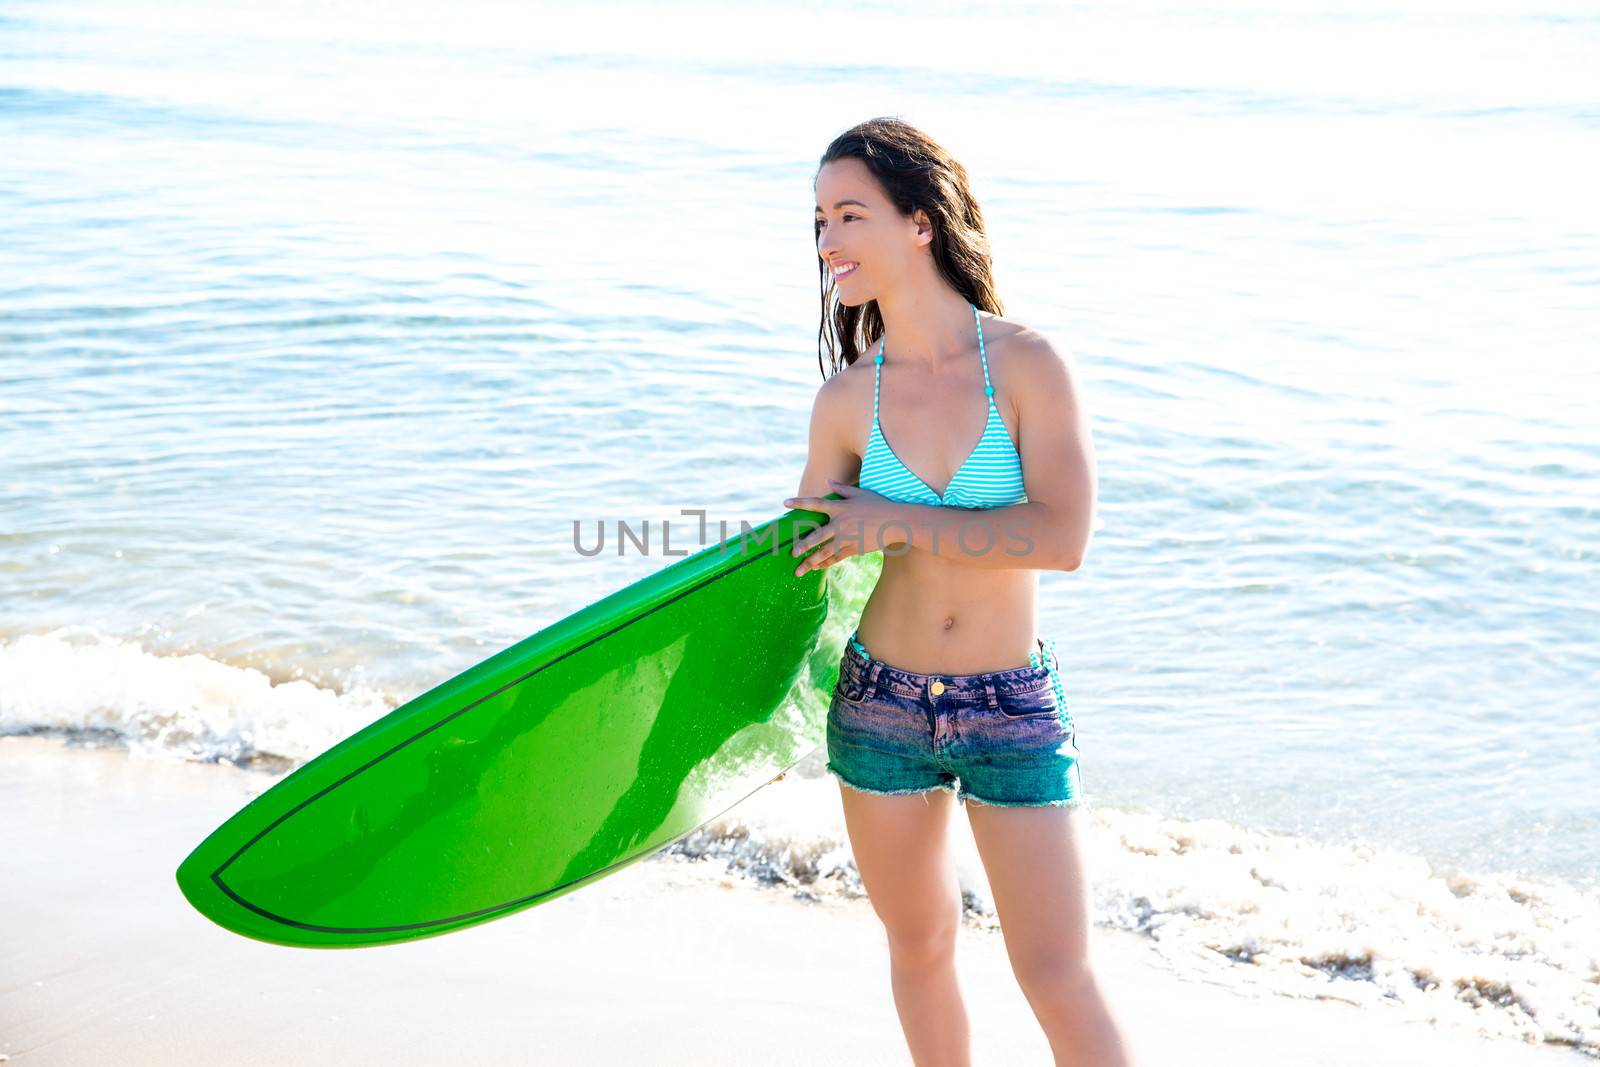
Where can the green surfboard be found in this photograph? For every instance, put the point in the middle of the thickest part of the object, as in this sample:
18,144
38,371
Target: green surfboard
590,745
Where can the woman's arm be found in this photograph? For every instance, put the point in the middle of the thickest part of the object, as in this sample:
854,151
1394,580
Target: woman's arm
829,454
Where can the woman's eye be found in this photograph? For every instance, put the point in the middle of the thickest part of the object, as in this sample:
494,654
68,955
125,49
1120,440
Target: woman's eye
821,222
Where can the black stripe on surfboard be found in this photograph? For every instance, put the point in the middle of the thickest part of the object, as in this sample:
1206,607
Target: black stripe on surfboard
216,875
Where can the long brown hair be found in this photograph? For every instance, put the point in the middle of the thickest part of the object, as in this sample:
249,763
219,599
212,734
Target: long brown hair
916,172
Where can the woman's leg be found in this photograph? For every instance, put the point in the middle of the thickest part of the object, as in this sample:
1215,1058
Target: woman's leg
901,847
1034,862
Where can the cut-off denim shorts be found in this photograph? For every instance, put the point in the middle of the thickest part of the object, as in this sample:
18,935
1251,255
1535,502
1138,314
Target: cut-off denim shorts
1003,738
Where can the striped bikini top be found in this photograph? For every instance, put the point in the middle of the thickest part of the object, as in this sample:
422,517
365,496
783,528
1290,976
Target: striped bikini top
991,476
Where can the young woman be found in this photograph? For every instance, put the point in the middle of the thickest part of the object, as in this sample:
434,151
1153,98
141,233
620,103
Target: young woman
945,691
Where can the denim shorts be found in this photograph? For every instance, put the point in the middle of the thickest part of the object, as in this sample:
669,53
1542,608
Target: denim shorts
1001,738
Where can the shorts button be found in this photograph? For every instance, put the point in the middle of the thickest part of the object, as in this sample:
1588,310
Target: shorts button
937,687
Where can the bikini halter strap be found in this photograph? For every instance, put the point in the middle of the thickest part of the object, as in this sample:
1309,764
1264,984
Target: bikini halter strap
883,343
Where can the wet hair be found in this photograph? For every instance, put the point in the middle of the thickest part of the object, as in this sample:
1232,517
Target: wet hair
916,172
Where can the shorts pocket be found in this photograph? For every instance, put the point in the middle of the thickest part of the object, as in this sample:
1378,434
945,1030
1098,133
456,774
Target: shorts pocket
1033,702
847,692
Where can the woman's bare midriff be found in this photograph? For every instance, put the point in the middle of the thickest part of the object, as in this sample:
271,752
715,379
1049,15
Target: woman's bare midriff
937,616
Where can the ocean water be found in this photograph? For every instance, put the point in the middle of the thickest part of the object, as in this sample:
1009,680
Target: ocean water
320,329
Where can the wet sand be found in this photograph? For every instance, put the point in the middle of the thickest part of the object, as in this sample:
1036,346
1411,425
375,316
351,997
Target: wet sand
669,961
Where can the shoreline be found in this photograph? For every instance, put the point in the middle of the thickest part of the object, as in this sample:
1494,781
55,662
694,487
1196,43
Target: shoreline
106,962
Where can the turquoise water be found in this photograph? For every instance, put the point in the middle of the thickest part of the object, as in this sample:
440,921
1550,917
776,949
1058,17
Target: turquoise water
319,331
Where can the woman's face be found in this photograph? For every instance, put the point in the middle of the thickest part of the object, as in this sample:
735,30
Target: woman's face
856,224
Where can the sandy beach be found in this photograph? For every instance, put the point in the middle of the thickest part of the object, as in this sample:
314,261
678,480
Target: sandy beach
670,961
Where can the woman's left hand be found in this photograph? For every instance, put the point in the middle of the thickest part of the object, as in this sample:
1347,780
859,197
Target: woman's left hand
862,522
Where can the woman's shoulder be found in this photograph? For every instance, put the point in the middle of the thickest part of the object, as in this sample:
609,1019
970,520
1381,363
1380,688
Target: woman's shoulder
840,397
847,381
1024,363
1023,353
